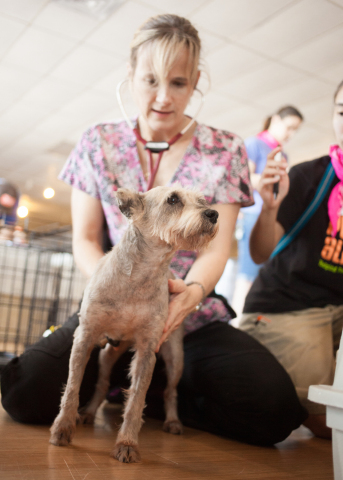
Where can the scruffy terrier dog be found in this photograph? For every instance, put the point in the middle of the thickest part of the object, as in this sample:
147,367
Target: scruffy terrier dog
126,303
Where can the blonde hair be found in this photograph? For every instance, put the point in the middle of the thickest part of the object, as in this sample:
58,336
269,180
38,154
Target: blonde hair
166,36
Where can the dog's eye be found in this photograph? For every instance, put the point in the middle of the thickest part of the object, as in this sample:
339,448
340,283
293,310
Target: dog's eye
173,199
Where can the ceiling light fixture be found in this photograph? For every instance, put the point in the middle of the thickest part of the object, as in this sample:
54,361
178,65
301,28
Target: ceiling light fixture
22,212
49,192
96,8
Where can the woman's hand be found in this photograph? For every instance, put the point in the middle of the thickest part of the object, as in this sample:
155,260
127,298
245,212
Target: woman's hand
274,171
183,300
267,230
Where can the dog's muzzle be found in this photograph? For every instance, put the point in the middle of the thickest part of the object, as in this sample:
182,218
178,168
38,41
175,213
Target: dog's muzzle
211,215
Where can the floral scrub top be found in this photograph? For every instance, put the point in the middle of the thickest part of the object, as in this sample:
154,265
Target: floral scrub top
215,162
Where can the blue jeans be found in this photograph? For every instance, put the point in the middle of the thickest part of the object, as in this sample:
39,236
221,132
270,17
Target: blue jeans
246,267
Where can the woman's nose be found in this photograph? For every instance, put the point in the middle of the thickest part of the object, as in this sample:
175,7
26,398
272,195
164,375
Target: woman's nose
163,95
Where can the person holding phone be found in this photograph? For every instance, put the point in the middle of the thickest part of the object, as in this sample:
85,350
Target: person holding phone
295,305
277,130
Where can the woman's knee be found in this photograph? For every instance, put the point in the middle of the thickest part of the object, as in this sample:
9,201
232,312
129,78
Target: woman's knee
278,409
32,384
29,392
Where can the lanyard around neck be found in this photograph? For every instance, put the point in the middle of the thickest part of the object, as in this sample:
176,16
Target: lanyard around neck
155,147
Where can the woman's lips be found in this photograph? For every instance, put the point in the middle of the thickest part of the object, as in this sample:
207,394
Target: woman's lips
159,112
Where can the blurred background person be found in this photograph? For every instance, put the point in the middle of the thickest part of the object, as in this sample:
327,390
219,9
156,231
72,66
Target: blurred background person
9,199
278,129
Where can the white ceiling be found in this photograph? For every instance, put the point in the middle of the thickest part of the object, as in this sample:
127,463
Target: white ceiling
59,69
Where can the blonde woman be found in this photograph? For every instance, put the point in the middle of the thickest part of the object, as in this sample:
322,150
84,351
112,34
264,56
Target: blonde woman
231,385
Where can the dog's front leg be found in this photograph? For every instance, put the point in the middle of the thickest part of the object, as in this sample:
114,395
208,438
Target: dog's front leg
63,427
142,366
107,358
172,354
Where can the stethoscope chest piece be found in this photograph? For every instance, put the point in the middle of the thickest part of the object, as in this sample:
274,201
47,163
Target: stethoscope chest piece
156,147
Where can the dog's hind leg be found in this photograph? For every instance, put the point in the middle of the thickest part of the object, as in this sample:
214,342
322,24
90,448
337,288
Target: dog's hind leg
142,366
172,354
63,427
107,358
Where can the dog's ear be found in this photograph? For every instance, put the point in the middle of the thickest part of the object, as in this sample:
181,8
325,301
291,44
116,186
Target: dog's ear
130,203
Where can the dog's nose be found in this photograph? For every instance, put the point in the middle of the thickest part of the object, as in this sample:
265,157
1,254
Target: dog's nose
212,215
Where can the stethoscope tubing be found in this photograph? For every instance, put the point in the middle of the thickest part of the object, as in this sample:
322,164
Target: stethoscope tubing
152,147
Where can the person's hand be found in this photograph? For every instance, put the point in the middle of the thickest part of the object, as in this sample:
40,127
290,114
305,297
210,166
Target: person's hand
182,302
274,171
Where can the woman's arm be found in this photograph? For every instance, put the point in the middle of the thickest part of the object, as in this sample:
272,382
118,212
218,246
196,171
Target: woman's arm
267,230
254,177
207,270
88,224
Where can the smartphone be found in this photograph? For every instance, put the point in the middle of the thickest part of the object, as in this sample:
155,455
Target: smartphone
278,157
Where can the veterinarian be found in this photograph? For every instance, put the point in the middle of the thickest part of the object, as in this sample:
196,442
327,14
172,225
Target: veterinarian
277,130
295,305
231,384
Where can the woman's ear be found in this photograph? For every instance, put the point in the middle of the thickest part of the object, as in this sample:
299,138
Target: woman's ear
276,117
197,79
129,70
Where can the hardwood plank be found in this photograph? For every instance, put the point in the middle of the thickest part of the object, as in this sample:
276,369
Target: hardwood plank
26,454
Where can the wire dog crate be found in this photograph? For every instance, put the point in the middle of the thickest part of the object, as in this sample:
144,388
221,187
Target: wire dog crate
40,287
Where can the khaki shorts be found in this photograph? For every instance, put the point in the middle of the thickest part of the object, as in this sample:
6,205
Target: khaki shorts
305,342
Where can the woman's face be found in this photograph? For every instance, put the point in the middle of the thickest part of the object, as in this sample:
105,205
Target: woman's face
338,118
284,128
162,102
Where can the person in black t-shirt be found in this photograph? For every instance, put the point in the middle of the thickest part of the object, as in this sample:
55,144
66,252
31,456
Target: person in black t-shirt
295,305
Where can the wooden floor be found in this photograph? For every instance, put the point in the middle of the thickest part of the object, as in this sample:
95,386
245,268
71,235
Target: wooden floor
26,454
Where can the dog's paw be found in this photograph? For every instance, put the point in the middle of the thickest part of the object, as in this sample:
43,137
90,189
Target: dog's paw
126,453
86,418
62,436
174,426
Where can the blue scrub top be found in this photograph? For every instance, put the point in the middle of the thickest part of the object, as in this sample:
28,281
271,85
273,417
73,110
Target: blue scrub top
257,151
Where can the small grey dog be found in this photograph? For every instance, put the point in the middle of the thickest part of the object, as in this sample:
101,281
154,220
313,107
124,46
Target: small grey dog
125,304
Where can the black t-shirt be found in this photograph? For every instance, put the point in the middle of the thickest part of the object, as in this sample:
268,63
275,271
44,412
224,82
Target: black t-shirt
309,272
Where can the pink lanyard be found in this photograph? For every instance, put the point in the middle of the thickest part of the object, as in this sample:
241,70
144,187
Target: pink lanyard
155,147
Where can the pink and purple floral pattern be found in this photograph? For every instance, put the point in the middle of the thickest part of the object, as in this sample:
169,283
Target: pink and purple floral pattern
215,162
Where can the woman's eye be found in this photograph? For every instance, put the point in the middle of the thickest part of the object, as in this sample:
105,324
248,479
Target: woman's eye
151,81
179,84
173,200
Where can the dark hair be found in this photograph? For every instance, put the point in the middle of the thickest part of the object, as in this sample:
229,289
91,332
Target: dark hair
283,112
338,89
9,189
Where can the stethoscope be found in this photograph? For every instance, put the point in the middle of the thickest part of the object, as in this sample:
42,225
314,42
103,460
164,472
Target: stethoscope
154,147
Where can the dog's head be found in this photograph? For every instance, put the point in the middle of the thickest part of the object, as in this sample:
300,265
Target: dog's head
180,217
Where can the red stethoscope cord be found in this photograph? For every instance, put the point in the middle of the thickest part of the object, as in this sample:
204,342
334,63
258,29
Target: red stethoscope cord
155,147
